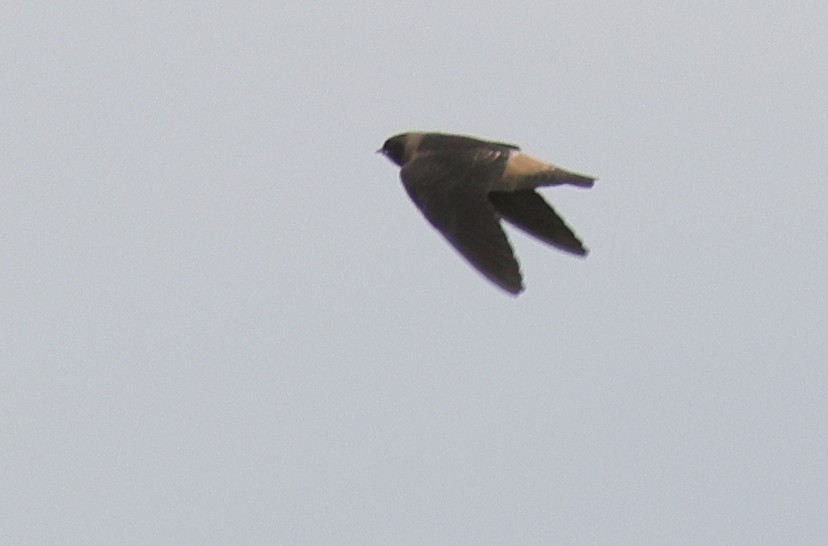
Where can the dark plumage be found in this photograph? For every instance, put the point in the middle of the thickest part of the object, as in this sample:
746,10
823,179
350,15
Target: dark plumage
463,185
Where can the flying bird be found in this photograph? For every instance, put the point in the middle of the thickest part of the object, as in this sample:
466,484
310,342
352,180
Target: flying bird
464,186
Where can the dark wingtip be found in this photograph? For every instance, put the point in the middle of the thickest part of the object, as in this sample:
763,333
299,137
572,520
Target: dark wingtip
511,286
574,247
515,291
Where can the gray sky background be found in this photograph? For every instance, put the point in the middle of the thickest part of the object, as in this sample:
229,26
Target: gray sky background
224,322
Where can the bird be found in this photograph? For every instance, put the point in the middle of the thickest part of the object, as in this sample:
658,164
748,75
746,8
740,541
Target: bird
464,186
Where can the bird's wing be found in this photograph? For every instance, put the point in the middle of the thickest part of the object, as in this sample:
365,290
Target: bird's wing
452,193
527,210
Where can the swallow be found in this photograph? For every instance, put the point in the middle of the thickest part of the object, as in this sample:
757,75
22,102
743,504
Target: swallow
464,186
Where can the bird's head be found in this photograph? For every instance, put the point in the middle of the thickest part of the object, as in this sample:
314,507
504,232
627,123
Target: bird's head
394,149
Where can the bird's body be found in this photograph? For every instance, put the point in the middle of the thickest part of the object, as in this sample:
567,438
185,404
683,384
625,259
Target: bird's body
463,185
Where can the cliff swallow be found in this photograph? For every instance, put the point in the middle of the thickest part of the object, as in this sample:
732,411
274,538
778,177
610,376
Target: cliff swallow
463,186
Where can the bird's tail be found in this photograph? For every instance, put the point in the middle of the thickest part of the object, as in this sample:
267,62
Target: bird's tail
561,176
555,176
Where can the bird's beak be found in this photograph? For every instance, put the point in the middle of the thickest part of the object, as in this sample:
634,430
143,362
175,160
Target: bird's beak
380,151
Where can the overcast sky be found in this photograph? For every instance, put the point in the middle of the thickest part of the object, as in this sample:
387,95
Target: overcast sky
222,321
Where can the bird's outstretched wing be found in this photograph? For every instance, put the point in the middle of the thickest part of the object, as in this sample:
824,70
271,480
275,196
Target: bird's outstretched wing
527,210
452,193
